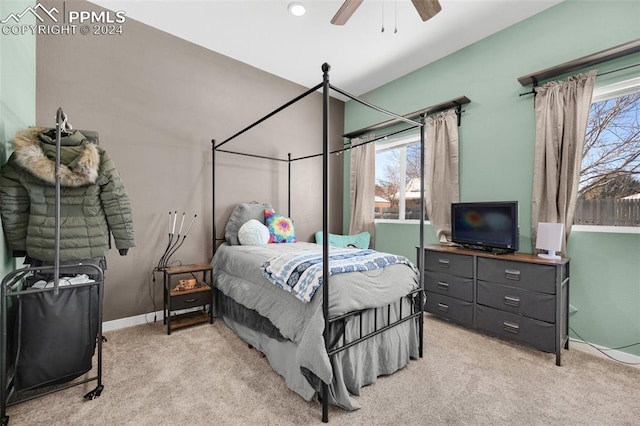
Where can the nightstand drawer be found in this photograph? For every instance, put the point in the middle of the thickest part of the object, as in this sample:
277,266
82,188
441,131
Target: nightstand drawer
448,307
535,305
191,300
449,285
530,276
538,334
456,264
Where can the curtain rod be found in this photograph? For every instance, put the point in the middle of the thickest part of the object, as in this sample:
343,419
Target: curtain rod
377,138
533,91
453,103
586,61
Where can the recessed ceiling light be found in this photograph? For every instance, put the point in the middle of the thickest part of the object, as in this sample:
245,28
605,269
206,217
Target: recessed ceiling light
296,9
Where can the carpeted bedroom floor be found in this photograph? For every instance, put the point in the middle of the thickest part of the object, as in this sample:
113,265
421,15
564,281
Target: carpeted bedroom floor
204,375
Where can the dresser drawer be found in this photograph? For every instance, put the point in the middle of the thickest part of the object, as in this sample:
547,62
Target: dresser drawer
451,263
454,309
530,276
190,300
541,306
449,285
538,334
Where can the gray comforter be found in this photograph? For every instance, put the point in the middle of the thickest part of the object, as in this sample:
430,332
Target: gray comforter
237,274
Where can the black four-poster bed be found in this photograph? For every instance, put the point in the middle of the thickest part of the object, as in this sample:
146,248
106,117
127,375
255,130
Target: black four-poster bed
334,330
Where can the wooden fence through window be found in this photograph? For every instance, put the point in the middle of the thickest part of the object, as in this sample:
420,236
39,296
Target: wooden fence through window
608,212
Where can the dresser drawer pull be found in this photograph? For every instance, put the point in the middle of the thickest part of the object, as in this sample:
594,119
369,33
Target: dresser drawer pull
512,301
191,300
443,285
511,327
442,307
443,263
512,274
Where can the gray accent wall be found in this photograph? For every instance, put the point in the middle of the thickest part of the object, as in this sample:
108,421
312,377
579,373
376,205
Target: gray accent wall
157,101
497,145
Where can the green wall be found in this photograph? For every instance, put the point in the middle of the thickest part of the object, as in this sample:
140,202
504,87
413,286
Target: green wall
497,145
17,93
605,288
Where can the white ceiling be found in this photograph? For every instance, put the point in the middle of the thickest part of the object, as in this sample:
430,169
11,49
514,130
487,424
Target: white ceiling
263,34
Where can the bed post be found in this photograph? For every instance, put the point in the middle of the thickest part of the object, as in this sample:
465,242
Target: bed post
325,228
421,251
213,195
289,185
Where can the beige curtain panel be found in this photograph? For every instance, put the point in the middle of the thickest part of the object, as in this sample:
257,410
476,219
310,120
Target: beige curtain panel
441,171
362,187
562,113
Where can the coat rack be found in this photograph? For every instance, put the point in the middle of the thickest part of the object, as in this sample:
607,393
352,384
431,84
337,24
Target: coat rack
69,319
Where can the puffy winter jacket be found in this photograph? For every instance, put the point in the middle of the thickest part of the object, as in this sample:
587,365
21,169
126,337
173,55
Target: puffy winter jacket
93,199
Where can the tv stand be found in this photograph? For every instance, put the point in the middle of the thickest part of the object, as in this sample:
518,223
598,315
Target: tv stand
516,296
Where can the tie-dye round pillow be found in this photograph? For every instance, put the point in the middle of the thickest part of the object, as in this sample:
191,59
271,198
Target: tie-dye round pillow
280,227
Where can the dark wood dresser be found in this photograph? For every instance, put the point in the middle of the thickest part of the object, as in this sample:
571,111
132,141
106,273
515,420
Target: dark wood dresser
518,296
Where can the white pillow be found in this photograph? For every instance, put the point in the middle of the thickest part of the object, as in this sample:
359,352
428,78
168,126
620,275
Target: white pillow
253,233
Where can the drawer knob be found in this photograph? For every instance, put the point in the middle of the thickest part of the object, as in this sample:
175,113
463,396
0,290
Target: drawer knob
443,263
511,327
443,307
512,301
443,285
191,300
512,274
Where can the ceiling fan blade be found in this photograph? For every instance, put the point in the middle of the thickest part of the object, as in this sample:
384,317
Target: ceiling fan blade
427,9
345,12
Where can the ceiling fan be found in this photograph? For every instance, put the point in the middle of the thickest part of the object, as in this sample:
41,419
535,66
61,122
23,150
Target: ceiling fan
427,9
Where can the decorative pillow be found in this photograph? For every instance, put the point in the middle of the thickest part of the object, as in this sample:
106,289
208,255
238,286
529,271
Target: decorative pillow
360,240
253,233
240,215
280,227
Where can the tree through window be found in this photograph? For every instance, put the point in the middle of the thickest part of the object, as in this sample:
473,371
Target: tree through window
609,189
398,178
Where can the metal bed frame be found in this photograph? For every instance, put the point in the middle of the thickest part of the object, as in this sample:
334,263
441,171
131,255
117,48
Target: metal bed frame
416,311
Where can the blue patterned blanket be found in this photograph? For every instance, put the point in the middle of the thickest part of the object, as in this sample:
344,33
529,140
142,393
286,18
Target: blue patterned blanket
301,273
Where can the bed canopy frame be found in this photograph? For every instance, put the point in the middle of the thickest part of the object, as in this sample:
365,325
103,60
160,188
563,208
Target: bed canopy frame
325,88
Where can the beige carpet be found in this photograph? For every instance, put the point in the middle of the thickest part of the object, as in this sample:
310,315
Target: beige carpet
204,375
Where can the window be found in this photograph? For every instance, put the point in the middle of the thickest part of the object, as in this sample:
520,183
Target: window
398,178
609,189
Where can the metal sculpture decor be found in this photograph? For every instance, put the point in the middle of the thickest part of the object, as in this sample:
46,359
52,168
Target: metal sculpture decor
174,242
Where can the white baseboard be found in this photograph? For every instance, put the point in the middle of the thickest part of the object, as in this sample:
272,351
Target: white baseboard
615,354
573,343
132,321
147,318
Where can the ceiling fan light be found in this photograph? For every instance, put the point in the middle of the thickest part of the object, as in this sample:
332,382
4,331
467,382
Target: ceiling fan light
297,9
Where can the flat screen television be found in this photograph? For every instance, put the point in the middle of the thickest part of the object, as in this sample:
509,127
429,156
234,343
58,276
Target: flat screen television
490,226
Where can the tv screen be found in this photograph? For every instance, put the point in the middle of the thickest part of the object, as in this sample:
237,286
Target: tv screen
491,226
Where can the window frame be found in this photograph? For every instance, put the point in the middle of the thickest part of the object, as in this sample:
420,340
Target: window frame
603,93
388,144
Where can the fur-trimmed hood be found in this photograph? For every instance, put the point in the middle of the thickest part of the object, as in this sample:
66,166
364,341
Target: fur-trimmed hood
35,152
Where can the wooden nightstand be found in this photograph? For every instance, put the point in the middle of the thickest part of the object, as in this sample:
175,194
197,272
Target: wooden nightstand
200,296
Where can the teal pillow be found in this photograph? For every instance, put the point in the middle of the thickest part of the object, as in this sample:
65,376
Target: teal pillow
360,240
280,227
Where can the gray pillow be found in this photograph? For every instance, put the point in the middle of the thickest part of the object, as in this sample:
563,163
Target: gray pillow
240,215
